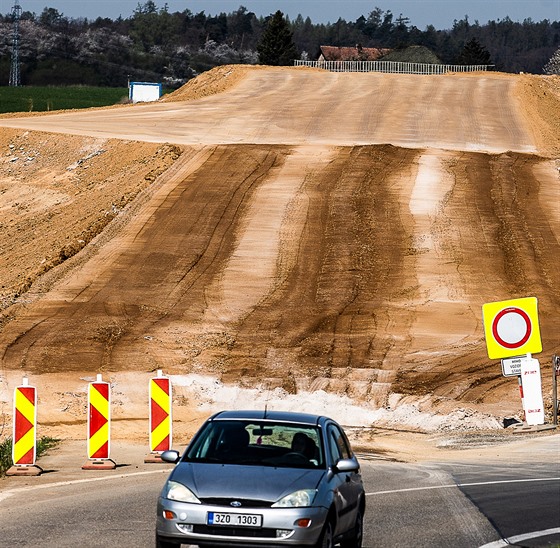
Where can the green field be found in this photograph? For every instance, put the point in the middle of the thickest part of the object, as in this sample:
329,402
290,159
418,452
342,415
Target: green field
42,99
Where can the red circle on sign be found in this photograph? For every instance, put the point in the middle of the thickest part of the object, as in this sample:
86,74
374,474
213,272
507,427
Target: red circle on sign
526,319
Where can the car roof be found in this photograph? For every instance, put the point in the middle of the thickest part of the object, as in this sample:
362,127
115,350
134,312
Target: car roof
264,415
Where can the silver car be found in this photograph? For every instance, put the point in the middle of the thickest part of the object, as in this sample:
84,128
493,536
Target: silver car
262,479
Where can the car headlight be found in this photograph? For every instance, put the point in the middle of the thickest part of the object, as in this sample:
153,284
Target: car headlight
303,497
177,491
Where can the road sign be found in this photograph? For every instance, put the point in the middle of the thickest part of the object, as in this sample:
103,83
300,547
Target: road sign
511,367
511,328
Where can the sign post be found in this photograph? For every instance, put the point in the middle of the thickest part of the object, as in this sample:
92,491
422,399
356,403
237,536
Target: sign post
555,375
533,404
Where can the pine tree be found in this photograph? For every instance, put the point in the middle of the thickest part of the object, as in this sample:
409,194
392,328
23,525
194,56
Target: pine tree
276,46
553,65
474,54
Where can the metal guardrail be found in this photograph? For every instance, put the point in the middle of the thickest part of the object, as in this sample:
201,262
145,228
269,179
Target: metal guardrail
396,67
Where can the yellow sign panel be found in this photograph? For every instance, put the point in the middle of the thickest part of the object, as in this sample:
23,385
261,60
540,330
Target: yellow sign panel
511,328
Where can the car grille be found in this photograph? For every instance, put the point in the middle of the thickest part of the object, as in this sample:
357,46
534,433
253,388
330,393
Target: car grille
242,532
245,503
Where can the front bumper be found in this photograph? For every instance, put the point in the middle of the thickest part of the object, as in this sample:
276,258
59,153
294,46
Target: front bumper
279,525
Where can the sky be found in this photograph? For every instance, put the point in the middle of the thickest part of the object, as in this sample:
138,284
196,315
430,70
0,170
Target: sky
421,13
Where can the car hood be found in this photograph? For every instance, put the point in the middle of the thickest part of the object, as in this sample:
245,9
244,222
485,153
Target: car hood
244,482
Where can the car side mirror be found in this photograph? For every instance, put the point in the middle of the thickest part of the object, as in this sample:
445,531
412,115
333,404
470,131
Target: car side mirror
171,456
347,465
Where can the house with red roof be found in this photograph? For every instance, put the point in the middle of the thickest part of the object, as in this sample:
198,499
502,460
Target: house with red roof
356,53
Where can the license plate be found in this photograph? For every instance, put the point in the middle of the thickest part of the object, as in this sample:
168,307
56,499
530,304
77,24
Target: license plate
234,520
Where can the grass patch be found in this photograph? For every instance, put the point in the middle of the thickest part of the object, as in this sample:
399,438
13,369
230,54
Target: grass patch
46,98
43,445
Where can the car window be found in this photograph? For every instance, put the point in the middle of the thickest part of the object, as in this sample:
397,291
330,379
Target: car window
338,444
265,443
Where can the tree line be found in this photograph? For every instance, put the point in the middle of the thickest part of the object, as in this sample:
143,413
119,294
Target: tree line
154,44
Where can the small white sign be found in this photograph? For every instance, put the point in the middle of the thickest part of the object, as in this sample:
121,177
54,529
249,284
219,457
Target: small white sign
144,91
511,367
533,404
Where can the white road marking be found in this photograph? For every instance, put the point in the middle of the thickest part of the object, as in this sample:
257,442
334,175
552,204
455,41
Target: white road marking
430,487
520,538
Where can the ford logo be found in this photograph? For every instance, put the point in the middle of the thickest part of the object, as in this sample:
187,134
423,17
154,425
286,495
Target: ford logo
235,503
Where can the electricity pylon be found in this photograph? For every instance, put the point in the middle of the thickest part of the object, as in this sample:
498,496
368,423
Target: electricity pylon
14,69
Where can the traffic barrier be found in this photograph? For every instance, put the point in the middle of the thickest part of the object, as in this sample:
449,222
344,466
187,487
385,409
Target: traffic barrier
160,417
24,438
99,426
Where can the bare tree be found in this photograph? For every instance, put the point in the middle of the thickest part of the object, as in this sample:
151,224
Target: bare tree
553,65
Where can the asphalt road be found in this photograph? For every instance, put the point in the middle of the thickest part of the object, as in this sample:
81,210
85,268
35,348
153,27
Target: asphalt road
460,504
463,504
522,501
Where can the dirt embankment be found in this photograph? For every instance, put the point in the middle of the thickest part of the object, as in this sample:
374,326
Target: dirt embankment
58,192
539,96
351,270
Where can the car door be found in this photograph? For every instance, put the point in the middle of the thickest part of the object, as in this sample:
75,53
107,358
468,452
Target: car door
346,485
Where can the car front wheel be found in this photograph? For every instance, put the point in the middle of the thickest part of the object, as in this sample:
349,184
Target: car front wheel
355,539
326,539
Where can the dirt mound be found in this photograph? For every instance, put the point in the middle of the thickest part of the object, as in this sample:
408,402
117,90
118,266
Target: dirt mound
217,80
214,81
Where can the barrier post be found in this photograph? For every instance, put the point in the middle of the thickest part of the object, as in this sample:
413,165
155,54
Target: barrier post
555,375
160,417
520,381
24,438
99,426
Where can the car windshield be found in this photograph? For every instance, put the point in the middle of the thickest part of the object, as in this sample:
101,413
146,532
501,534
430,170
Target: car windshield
263,443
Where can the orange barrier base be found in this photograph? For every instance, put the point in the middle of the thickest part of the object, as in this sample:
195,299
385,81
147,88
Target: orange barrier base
99,464
24,471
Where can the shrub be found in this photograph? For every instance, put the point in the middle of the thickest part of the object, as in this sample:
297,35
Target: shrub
43,445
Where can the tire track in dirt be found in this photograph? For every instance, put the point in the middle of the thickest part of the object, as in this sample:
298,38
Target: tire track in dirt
252,269
324,325
145,275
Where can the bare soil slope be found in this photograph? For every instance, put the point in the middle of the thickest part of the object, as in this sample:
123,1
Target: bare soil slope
292,231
